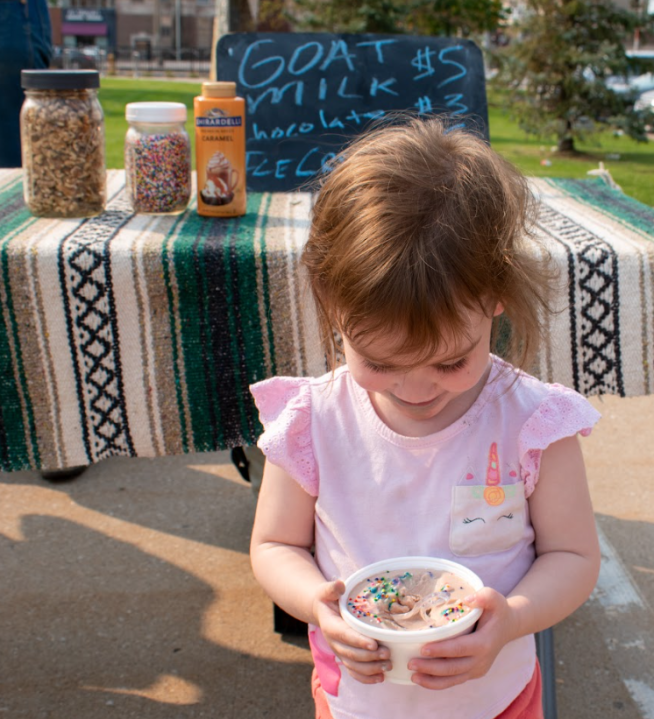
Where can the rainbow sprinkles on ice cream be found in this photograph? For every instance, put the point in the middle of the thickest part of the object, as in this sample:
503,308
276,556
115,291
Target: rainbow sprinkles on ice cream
411,599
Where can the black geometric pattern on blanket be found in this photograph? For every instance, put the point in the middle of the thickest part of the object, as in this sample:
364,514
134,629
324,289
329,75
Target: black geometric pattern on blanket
85,276
594,305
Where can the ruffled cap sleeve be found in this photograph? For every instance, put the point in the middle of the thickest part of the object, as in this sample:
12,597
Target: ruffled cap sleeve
284,405
563,413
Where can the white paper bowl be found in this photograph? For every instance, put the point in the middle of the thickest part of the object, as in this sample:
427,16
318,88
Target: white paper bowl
404,645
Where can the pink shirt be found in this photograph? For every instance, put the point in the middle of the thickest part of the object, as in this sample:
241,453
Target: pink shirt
382,495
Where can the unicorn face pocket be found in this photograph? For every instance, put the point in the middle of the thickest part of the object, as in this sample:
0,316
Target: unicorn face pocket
486,519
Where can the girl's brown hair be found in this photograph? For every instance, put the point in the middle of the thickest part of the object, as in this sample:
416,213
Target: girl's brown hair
416,225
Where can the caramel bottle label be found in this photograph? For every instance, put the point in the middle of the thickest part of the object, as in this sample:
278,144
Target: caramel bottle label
220,157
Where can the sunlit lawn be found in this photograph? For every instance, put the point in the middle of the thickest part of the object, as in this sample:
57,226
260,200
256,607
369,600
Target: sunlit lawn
631,164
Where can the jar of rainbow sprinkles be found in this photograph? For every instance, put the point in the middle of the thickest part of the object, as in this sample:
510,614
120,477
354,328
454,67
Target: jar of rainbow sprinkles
157,157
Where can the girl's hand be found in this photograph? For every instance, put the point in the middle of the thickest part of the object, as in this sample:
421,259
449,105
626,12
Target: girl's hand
469,656
363,658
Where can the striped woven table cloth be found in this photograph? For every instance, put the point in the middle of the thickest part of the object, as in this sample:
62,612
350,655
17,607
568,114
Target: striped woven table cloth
139,335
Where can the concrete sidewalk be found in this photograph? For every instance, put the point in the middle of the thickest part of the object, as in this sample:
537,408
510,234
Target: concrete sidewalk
128,593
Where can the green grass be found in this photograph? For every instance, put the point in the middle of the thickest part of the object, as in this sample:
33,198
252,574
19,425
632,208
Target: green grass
633,171
630,163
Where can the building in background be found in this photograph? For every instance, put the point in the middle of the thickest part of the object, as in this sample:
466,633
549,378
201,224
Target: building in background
86,26
167,29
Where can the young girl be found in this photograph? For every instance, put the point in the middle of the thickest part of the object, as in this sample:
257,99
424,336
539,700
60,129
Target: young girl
418,246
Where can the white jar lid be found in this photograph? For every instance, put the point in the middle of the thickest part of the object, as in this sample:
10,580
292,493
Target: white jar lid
155,112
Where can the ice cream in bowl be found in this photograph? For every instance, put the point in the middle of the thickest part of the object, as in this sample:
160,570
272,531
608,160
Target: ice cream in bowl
406,602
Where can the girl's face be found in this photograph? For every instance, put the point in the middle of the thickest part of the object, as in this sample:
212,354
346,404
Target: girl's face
417,400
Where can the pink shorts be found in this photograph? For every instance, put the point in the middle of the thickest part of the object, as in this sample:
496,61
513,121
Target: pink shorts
527,705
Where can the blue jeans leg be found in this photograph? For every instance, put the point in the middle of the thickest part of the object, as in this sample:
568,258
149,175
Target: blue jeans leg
25,43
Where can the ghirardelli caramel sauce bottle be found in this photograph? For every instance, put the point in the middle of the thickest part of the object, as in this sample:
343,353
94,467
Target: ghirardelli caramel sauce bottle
220,150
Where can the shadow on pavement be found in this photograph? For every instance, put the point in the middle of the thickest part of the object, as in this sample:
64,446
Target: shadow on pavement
129,593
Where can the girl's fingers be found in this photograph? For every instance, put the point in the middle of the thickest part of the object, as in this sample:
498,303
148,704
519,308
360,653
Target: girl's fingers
347,651
341,636
367,672
443,668
457,647
347,637
375,679
438,683
443,673
363,658
331,591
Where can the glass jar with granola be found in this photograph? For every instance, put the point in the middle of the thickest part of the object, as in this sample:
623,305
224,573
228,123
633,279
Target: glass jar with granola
62,143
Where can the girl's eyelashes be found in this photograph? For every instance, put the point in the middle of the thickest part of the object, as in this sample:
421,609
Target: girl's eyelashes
374,367
454,367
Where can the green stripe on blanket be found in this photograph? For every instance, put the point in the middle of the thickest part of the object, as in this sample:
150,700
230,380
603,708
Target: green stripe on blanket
598,194
216,317
13,213
18,445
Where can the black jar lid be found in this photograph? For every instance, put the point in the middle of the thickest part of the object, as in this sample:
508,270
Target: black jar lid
59,79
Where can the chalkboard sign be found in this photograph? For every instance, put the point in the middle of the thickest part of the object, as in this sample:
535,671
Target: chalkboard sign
307,94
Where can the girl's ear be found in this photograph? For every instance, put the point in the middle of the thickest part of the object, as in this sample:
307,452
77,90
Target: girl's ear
499,308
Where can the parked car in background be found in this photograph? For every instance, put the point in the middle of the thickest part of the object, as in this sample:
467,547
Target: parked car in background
77,58
645,101
634,84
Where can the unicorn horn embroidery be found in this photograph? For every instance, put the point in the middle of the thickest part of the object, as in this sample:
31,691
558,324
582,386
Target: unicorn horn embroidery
493,493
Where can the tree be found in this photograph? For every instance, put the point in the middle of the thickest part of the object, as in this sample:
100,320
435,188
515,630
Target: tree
557,68
376,16
271,17
456,17
419,17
